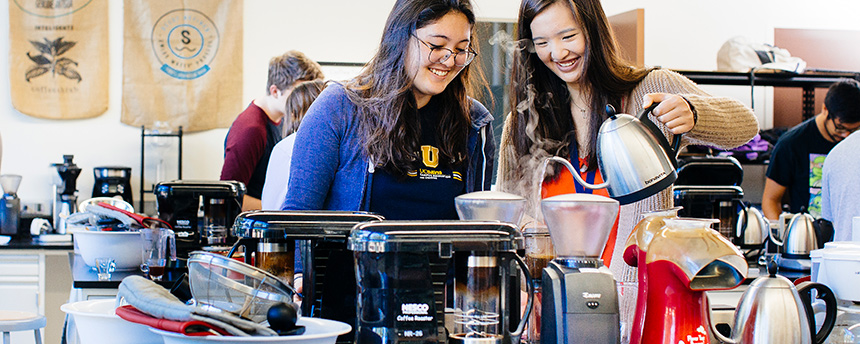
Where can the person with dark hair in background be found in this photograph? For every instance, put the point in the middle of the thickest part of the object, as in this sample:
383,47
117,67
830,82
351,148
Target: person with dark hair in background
567,70
256,130
404,137
797,158
278,172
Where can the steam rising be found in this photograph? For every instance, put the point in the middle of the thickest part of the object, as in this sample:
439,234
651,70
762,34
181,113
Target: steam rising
526,173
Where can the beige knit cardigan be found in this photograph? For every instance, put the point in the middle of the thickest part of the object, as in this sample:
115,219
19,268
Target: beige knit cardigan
722,122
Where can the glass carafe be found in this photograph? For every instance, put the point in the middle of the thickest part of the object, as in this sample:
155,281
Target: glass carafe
476,300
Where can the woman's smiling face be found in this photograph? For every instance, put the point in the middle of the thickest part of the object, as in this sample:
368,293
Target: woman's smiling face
560,42
452,31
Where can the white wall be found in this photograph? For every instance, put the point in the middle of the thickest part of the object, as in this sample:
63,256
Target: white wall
678,34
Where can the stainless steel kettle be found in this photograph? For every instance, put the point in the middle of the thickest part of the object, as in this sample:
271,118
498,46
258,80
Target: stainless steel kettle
773,310
752,228
634,157
799,238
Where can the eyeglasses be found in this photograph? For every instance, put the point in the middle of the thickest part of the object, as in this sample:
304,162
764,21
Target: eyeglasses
440,54
839,128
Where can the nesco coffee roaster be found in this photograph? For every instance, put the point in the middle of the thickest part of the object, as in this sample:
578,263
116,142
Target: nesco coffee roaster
438,282
180,203
270,239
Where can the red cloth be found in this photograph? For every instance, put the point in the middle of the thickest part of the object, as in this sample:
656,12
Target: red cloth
188,328
565,184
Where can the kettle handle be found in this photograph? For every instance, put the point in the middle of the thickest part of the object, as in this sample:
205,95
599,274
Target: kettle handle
676,139
742,221
805,291
515,336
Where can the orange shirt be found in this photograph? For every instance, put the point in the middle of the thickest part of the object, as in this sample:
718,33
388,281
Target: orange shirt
565,184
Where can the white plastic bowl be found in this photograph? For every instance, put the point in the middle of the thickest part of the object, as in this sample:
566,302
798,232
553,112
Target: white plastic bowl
123,247
97,323
317,331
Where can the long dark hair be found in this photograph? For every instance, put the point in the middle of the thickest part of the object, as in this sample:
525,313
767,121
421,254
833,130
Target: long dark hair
542,100
298,102
388,113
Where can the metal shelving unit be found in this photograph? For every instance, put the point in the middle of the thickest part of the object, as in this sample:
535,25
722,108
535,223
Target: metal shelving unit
143,135
808,81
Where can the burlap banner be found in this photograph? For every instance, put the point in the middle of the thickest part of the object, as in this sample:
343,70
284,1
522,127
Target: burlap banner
58,57
182,63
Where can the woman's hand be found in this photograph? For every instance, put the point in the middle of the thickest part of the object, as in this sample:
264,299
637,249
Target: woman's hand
673,111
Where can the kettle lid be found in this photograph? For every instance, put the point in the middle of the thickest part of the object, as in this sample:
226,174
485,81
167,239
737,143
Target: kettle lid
772,280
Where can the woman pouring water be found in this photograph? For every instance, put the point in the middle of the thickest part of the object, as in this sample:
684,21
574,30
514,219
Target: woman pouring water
567,70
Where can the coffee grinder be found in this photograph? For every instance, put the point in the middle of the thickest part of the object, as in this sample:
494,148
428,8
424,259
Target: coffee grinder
278,241
200,212
405,269
65,200
580,301
10,206
112,181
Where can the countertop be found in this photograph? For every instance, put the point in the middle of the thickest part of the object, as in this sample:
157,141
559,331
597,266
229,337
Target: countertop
48,242
84,277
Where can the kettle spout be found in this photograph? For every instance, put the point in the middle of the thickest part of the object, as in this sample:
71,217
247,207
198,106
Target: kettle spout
574,172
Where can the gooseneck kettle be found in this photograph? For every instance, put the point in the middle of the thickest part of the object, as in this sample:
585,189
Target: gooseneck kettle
799,238
773,310
634,157
752,228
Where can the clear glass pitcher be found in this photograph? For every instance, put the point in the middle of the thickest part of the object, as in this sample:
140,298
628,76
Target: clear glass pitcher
157,245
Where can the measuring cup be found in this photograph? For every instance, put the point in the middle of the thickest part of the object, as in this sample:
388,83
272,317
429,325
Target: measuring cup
156,244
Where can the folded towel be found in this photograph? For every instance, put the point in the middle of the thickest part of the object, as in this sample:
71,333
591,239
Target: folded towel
152,299
188,328
155,300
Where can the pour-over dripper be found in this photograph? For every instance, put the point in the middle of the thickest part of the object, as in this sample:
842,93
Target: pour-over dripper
579,224
490,206
10,183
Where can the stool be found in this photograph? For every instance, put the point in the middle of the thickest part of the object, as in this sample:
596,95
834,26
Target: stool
21,321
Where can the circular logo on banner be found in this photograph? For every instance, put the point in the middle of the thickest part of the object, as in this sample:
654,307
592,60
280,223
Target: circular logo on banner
51,8
185,42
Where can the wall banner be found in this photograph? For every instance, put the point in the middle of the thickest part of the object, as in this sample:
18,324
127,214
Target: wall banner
58,57
182,63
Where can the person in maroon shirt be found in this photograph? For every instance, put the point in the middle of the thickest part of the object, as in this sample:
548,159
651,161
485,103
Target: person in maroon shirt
256,130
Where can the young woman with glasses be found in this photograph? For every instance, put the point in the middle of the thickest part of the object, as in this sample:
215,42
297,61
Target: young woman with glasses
404,137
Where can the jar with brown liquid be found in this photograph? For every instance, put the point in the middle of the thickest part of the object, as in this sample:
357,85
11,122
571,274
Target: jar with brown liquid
539,252
276,257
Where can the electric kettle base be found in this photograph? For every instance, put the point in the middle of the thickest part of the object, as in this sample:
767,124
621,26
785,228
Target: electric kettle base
793,264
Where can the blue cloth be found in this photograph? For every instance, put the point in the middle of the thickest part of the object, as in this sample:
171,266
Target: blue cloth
330,172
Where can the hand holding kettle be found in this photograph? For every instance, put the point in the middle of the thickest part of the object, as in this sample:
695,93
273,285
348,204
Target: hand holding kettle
674,111
634,157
